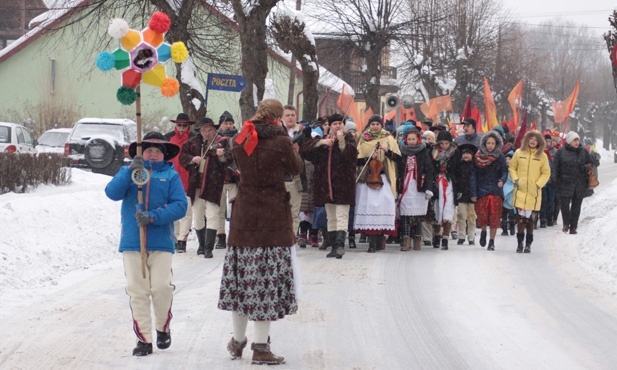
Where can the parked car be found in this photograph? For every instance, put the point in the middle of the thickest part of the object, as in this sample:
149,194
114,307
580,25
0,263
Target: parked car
53,140
15,138
100,144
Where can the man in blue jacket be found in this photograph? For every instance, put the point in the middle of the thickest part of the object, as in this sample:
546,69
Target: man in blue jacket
164,202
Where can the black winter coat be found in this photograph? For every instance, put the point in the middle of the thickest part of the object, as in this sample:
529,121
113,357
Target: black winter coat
571,171
425,171
464,185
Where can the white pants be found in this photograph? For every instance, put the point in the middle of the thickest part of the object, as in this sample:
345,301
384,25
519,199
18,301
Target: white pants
338,216
295,200
205,213
156,288
182,227
229,192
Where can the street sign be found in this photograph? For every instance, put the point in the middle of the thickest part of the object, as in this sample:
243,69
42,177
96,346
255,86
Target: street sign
223,82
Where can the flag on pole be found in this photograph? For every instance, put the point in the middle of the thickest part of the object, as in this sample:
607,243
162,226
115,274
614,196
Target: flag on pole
390,115
466,110
521,133
515,102
475,114
562,109
347,105
490,110
364,119
409,114
434,106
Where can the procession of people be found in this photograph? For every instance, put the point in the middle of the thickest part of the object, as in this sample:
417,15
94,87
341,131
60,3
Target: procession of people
274,183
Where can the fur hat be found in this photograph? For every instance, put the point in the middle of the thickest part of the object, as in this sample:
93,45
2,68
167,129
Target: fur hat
428,134
375,118
571,136
350,125
226,117
444,135
468,148
335,118
157,140
182,118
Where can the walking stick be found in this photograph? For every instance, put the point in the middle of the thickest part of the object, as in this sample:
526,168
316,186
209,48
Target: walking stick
140,177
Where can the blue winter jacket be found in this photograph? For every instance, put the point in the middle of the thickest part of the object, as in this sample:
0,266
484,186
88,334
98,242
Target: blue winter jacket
483,181
165,203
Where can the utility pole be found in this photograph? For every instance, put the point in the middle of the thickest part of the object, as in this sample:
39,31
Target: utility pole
292,69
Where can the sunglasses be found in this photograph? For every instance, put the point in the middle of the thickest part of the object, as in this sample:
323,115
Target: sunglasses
183,124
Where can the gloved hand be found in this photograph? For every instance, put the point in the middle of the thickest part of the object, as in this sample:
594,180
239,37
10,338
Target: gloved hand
307,131
515,182
458,196
143,218
138,163
428,195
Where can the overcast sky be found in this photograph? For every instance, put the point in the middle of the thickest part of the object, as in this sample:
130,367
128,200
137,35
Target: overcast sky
592,13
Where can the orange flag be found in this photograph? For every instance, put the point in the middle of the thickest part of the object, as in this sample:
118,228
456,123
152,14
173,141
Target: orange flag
347,105
390,115
515,101
434,106
490,110
475,114
562,109
361,124
409,114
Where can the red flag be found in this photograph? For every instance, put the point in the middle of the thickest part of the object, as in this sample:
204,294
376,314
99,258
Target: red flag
533,126
434,106
365,117
466,110
521,133
475,114
409,114
511,125
347,105
515,102
562,109
490,110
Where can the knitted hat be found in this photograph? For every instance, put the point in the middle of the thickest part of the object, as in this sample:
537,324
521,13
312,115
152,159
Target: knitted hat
335,118
499,129
571,136
444,135
156,140
375,118
350,125
226,117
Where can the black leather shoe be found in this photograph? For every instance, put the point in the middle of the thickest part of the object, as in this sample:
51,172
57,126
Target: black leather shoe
163,340
142,349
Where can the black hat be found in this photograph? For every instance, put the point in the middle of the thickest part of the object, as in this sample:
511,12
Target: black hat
468,148
469,121
182,117
335,118
226,117
438,128
157,140
204,122
375,118
428,121
444,135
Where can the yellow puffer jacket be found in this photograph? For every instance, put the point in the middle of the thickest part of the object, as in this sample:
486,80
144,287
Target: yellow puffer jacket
532,172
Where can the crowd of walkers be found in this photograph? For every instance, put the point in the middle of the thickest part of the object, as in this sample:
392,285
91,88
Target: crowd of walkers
281,183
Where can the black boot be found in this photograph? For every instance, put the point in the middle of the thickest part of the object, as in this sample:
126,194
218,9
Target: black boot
209,245
339,241
372,242
528,243
512,229
333,244
491,245
482,238
520,237
163,339
542,224
362,238
444,244
352,241
326,240
142,349
222,243
504,228
201,239
181,246
436,240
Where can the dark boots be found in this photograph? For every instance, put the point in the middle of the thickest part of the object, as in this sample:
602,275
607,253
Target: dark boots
352,240
528,243
491,245
181,246
504,227
520,237
302,240
235,348
372,243
333,244
209,244
483,238
263,356
326,240
444,244
201,239
163,339
222,242
142,349
436,240
512,227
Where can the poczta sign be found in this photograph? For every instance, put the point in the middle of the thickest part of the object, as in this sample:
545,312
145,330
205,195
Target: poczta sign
226,82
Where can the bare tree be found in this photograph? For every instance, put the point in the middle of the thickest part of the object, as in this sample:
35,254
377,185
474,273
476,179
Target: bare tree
290,34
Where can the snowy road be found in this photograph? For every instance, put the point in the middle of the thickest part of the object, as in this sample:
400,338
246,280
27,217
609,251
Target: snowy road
429,309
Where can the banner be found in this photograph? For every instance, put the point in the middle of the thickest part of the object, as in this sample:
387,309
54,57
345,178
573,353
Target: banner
217,81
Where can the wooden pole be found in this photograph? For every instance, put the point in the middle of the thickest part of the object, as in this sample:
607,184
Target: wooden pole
140,193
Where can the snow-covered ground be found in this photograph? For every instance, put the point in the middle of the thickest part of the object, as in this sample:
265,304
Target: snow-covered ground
63,302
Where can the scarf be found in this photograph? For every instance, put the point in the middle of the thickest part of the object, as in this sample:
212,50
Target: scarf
368,135
410,150
249,134
483,161
443,155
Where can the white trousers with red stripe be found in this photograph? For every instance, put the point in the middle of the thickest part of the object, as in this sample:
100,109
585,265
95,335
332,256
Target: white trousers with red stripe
156,290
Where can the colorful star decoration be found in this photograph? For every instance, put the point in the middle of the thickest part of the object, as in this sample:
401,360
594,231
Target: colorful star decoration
140,56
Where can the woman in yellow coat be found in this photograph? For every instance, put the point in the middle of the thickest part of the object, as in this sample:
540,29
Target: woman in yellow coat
375,212
529,171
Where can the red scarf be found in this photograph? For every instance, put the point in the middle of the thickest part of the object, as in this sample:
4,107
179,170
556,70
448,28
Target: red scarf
484,160
249,134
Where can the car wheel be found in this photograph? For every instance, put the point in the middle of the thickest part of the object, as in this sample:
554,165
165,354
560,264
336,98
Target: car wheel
99,153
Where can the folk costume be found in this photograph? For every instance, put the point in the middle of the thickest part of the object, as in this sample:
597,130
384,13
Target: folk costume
446,163
465,209
334,178
164,203
206,181
415,185
375,210
258,281
529,171
488,172
230,184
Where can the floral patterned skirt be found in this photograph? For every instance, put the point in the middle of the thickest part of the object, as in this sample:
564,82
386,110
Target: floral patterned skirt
258,283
